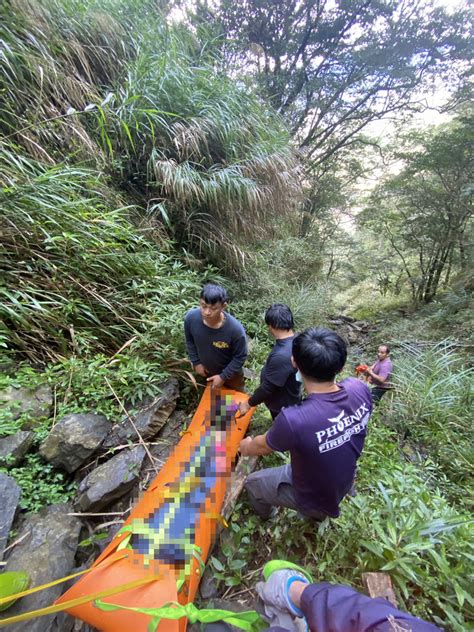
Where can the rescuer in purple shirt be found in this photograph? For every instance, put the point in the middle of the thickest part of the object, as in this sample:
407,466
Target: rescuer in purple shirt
379,373
324,434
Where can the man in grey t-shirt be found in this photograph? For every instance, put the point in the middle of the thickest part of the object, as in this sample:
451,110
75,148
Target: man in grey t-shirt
216,341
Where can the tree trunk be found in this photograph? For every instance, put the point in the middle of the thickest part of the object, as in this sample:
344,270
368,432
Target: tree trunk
306,221
331,266
436,268
449,268
462,253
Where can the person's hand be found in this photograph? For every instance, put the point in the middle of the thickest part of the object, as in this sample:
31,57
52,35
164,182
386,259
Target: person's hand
274,593
244,446
244,407
216,381
200,370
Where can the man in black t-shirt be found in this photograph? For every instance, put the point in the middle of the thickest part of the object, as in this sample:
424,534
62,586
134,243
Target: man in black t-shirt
278,384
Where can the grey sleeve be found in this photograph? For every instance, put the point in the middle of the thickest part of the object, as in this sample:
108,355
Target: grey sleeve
190,346
239,355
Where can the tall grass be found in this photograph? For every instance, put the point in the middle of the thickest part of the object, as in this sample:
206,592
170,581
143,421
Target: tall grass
76,272
286,271
432,406
116,86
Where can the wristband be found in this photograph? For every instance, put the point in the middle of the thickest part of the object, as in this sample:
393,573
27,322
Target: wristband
291,605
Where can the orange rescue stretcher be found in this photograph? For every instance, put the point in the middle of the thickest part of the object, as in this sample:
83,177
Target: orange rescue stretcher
151,570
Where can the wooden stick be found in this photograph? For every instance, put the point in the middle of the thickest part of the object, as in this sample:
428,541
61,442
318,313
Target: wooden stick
379,585
110,513
10,546
152,461
242,470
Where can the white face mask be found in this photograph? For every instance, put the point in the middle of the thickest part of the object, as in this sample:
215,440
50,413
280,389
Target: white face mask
299,377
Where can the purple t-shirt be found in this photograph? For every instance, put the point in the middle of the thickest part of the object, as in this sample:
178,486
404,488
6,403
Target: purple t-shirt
325,435
383,368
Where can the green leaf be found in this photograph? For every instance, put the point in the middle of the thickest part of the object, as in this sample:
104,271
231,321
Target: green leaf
236,565
233,581
12,582
217,564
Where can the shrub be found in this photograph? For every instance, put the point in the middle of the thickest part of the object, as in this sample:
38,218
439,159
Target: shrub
40,483
433,401
78,276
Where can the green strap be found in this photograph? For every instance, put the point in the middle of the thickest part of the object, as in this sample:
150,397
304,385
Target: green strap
250,621
278,565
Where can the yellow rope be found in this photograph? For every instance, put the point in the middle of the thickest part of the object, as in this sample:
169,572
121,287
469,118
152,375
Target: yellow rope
72,603
30,591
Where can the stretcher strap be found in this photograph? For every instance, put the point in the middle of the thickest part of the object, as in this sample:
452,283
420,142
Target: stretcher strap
61,580
72,603
250,621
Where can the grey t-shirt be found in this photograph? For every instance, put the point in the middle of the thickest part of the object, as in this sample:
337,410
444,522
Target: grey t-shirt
222,351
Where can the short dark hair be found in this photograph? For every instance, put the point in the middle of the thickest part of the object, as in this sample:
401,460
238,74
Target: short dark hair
386,347
319,353
212,293
279,316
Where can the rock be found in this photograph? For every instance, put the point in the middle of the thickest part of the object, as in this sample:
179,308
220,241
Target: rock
110,480
166,440
249,374
150,418
208,584
10,496
14,447
338,320
74,439
46,553
352,336
36,402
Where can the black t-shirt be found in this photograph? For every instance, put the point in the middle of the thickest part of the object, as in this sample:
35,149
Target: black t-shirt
278,384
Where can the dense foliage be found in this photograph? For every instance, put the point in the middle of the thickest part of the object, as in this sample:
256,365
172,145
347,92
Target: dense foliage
77,273
332,67
117,87
423,214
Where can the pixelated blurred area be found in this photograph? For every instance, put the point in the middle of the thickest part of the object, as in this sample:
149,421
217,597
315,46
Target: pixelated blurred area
168,533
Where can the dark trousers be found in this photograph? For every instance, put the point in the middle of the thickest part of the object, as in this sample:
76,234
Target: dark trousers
273,487
378,393
236,382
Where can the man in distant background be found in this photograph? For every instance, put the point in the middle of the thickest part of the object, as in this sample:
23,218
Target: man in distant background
216,341
379,373
278,384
